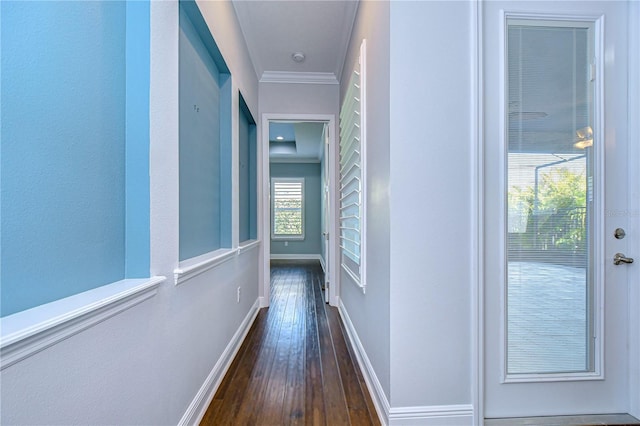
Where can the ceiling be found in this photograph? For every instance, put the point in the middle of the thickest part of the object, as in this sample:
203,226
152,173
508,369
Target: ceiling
274,30
301,141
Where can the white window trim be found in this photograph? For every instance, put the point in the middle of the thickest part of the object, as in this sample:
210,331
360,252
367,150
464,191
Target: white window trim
358,277
289,237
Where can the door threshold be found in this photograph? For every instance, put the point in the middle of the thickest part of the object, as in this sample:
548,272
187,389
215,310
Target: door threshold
585,420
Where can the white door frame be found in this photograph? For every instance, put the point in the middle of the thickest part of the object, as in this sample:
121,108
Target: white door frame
477,219
265,273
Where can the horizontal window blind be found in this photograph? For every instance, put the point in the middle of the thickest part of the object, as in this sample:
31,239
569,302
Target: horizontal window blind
352,173
287,200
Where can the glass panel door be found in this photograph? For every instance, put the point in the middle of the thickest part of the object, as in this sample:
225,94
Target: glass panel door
550,291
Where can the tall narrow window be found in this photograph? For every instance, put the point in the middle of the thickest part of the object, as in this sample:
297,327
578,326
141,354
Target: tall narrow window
287,208
550,168
352,193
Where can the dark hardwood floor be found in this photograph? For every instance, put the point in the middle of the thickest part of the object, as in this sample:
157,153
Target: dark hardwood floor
295,366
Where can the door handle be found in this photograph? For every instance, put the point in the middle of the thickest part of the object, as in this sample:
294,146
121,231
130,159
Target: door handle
621,258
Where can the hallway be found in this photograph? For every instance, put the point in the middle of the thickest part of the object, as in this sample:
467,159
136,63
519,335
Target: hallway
294,366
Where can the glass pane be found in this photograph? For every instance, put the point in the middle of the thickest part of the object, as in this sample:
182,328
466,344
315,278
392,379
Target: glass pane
287,208
549,165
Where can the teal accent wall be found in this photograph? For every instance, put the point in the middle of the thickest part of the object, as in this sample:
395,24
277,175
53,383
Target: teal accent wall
72,113
247,164
312,208
205,139
137,243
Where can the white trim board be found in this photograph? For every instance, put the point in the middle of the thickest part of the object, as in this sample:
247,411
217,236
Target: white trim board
436,415
198,407
477,217
29,332
265,208
374,386
317,257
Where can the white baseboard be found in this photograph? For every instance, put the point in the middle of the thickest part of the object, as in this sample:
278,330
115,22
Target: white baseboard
198,407
296,257
442,415
374,386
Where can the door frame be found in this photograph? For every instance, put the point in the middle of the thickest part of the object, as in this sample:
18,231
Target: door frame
478,196
264,290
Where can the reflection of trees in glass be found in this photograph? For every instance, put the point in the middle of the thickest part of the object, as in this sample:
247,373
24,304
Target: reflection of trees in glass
555,216
288,216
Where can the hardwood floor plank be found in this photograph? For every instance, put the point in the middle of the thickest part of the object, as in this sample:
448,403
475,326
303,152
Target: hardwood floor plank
358,409
336,410
373,414
293,404
252,401
295,366
314,396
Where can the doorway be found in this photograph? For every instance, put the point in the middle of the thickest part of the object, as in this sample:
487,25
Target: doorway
298,178
558,329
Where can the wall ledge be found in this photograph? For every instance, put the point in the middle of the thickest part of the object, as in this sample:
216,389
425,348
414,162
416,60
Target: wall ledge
195,266
28,332
245,246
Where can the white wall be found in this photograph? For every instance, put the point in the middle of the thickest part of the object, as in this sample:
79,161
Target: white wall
414,323
290,100
370,313
151,363
431,128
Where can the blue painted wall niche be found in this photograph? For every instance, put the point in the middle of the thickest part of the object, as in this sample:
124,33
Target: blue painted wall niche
312,208
74,148
205,138
247,170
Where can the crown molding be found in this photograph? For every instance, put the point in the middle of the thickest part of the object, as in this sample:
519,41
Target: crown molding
298,77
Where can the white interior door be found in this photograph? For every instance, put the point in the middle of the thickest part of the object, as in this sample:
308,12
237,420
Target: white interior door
327,209
556,139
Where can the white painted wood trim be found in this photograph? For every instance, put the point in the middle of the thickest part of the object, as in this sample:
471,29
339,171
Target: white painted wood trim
297,257
363,164
477,218
436,415
355,279
265,208
29,332
298,77
248,245
324,266
634,206
196,266
198,407
374,386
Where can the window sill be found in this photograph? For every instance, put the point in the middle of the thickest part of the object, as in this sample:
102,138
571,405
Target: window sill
197,265
28,332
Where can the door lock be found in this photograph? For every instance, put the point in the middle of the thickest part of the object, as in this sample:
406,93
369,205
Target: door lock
620,258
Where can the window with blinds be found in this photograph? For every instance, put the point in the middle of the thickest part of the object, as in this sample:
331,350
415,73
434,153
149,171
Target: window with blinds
352,193
287,208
